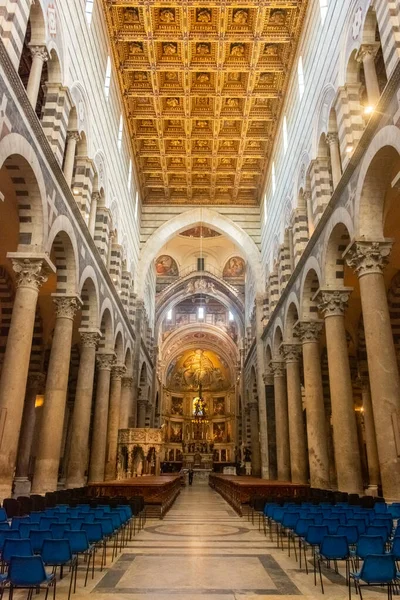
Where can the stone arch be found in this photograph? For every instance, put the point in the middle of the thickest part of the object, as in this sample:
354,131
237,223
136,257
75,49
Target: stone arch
20,160
54,66
190,218
300,181
80,114
37,24
268,356
143,376
100,163
374,179
278,340
106,327
322,125
291,318
311,282
90,302
338,238
62,242
119,344
128,362
352,35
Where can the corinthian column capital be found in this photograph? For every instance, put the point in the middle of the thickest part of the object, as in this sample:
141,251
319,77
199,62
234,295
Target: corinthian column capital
39,52
291,352
366,257
268,378
308,331
278,368
31,272
66,306
367,51
105,361
127,382
333,303
90,337
118,371
332,138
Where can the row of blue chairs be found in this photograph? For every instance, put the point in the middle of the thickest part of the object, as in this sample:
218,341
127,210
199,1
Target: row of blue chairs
339,532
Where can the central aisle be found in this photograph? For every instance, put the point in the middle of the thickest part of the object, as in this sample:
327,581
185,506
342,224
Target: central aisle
202,549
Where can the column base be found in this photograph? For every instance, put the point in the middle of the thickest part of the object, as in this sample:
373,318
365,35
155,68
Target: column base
22,486
70,485
61,484
372,490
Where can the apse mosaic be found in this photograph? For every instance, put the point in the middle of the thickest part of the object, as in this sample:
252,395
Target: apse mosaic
195,367
235,267
166,266
200,232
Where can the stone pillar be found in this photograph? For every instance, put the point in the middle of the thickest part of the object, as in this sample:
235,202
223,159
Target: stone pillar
333,304
370,438
126,402
142,404
262,403
39,57
22,484
366,55
93,213
117,374
281,420
309,332
99,439
78,457
255,439
297,436
333,141
48,456
31,273
368,259
310,216
72,140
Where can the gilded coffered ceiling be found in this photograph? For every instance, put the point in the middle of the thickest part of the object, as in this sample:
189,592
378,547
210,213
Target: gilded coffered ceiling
203,84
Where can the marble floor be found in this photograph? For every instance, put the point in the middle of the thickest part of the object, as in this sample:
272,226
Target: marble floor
203,550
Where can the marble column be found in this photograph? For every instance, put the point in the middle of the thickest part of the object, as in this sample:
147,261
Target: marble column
332,305
48,457
262,401
70,151
39,57
126,402
309,332
105,362
370,438
281,420
78,457
255,439
333,142
297,435
33,387
310,216
366,55
142,405
117,373
31,273
368,260
93,212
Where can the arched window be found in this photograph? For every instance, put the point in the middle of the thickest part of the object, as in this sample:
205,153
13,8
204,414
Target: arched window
285,135
107,81
120,130
89,11
300,73
323,7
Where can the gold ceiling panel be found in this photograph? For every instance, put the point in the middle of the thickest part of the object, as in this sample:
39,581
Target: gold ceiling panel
203,83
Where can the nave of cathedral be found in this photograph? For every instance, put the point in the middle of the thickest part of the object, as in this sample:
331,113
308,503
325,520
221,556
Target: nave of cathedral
199,270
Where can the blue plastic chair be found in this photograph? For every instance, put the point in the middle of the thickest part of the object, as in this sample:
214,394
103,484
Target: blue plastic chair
299,532
332,525
107,527
333,547
28,572
76,523
94,532
57,529
380,508
351,533
57,553
16,521
80,546
5,526
26,528
36,516
359,523
37,538
45,522
366,545
313,539
376,570
288,524
3,515
83,508
379,530
15,547
13,534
